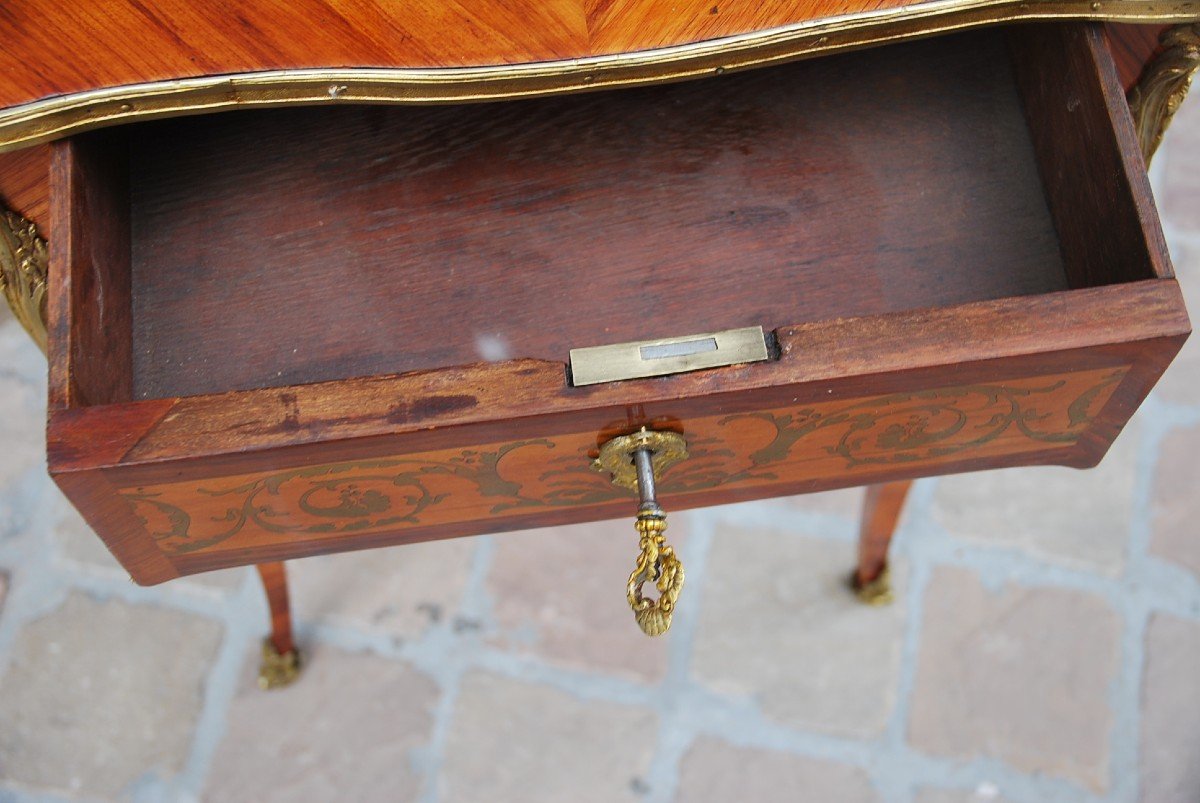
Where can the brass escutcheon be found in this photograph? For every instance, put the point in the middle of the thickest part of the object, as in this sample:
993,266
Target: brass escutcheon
616,455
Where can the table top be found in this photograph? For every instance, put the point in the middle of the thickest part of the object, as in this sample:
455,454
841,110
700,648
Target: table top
71,66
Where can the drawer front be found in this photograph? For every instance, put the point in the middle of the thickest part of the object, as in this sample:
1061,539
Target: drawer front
221,521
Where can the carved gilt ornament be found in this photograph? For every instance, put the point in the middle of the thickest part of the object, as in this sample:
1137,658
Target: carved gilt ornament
23,263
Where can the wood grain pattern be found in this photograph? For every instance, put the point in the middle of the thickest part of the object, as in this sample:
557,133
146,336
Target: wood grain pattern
872,397
600,421
25,185
741,451
275,586
24,174
1132,47
882,506
74,67
206,436
410,239
59,48
618,26
89,276
123,532
1102,204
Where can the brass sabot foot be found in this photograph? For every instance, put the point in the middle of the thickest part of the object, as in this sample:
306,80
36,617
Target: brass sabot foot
878,592
277,669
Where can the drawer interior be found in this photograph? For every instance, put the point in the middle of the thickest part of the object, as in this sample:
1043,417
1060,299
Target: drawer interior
283,247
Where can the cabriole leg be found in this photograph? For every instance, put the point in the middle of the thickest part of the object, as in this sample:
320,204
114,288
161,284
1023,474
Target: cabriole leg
280,658
881,512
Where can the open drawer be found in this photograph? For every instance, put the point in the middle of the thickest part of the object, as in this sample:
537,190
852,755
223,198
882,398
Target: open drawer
282,333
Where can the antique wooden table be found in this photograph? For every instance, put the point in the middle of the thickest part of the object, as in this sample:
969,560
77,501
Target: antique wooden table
402,313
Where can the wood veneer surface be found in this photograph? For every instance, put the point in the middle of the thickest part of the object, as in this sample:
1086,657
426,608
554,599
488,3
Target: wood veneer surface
276,473
25,185
1132,47
285,247
56,47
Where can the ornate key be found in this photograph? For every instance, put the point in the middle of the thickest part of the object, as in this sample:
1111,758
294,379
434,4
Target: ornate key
635,461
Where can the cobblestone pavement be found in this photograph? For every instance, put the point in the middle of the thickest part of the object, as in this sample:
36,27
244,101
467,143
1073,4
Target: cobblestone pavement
1045,645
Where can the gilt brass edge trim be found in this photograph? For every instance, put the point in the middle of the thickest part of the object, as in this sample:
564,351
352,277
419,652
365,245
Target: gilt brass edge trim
1163,85
44,120
24,264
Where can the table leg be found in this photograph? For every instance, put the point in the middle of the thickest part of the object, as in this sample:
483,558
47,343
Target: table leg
280,658
881,512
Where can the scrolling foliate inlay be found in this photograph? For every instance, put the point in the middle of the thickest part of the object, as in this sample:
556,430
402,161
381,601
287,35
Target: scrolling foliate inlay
753,449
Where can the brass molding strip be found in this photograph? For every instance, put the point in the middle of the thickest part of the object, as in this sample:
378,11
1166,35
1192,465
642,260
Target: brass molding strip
48,119
24,261
1164,84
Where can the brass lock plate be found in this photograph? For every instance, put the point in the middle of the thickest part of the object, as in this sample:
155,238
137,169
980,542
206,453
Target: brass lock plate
668,355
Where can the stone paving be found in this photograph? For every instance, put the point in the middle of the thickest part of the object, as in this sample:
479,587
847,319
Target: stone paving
1045,644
